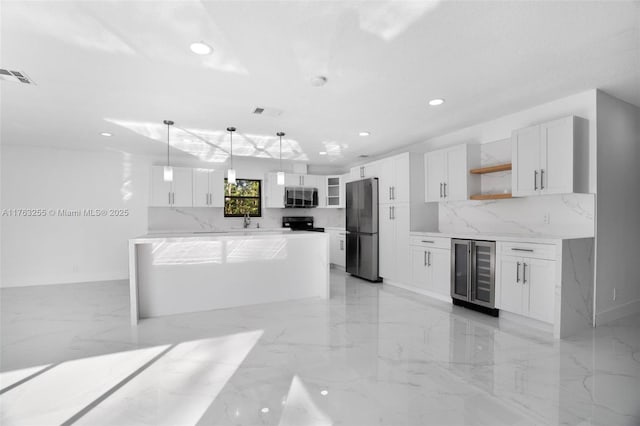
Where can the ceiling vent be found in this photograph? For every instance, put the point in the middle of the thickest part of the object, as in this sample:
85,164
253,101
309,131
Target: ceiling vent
15,76
363,156
267,111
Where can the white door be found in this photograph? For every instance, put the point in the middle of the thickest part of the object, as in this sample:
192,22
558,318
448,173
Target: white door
511,286
401,179
182,187
434,174
401,217
216,188
419,268
455,188
539,276
274,193
556,167
440,265
385,181
342,249
525,177
160,190
386,242
201,192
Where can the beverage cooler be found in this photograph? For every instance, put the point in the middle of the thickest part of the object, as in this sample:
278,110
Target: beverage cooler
473,274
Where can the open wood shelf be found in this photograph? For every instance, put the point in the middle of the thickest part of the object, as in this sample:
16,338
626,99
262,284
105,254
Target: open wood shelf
491,169
490,196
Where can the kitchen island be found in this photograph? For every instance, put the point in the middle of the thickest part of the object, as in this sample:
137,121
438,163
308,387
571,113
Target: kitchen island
191,272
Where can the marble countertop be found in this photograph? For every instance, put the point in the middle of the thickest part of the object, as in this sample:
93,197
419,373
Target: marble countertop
537,238
215,235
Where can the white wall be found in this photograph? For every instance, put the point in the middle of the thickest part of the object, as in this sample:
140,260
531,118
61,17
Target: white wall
54,249
618,209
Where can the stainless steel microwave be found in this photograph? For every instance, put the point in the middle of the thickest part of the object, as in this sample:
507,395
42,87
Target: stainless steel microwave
300,197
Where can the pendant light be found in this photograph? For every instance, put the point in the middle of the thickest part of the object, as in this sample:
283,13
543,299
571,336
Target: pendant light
280,175
231,173
168,170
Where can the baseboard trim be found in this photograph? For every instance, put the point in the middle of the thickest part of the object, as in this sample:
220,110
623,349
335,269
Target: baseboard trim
90,281
617,312
421,291
510,320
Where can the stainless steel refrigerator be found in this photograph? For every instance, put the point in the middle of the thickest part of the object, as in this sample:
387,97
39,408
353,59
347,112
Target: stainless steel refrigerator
362,229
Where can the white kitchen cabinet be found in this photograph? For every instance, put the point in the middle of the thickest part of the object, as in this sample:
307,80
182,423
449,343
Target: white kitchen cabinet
550,158
337,247
394,183
431,269
527,287
177,193
208,188
273,193
334,187
393,236
447,176
365,171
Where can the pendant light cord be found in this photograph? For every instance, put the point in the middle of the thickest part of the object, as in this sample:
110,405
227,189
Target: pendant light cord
231,130
280,134
169,123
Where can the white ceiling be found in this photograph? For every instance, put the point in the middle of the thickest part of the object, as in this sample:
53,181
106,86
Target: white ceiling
123,67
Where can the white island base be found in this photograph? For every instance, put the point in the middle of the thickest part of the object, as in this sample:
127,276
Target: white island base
178,274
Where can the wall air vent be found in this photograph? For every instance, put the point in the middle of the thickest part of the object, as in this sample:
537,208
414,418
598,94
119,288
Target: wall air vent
267,111
15,76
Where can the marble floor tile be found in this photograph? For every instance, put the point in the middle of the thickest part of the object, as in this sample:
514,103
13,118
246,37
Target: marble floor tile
372,354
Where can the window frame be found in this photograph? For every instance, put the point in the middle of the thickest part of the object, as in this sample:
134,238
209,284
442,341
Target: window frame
258,197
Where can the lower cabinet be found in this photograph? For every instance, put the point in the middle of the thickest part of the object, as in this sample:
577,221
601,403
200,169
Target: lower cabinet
393,234
431,269
337,247
527,287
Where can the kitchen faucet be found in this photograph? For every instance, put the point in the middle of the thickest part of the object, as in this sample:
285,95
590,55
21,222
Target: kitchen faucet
247,220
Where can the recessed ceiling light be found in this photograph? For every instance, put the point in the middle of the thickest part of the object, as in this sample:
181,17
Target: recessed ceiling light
436,102
323,153
105,134
201,48
364,134
324,392
265,410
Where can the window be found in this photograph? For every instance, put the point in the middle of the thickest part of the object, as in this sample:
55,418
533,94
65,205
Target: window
242,197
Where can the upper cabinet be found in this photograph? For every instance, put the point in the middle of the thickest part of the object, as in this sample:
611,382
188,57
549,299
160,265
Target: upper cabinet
177,193
273,193
394,179
365,171
208,188
447,176
550,158
335,191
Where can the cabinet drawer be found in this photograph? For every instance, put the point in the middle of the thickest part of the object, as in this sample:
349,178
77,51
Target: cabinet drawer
532,250
433,242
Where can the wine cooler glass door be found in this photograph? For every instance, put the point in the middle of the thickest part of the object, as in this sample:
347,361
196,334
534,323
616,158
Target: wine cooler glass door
483,267
460,269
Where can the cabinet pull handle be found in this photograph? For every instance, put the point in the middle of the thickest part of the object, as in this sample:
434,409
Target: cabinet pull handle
341,244
169,194
521,249
427,241
535,180
445,189
524,273
425,258
390,216
393,192
541,178
428,258
390,197
518,272
440,189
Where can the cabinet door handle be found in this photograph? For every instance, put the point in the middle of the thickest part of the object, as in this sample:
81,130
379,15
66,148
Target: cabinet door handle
428,258
518,272
393,208
524,273
425,258
521,249
341,244
541,178
445,189
390,194
440,189
169,194
394,192
535,180
427,241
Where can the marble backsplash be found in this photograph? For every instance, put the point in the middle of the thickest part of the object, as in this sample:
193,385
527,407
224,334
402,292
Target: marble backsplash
163,219
559,215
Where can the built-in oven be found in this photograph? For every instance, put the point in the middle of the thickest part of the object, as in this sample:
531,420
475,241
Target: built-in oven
473,274
300,197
